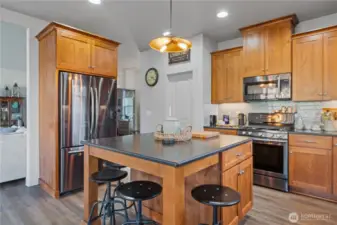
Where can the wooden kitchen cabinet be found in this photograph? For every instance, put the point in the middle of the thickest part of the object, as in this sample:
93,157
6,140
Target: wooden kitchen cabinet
330,65
308,68
267,47
219,81
239,178
253,52
227,76
104,58
334,172
73,51
314,67
310,164
278,47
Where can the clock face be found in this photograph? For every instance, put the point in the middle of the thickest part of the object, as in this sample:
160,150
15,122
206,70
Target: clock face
151,77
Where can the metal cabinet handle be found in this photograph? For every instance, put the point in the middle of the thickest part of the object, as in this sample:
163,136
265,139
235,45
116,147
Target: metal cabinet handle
311,142
238,154
291,152
241,172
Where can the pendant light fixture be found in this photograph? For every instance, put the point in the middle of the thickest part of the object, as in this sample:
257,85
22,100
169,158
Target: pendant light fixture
169,42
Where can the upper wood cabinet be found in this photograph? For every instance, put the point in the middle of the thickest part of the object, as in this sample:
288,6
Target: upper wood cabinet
219,80
314,67
73,51
267,47
227,76
330,65
253,52
81,52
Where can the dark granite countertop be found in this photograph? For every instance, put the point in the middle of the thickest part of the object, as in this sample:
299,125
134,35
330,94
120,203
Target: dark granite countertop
311,132
145,147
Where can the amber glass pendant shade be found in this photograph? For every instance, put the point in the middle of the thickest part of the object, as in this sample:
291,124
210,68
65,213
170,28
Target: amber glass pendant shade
170,44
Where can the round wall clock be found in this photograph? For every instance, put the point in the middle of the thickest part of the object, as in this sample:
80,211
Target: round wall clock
151,77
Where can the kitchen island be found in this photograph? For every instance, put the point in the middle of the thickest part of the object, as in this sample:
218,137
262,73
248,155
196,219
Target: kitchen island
178,168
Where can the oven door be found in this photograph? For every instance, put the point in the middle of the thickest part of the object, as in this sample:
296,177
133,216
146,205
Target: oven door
270,158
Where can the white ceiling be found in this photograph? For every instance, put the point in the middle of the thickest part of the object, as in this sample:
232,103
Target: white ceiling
142,20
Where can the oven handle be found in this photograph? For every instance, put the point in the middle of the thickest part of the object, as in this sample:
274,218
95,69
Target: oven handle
269,142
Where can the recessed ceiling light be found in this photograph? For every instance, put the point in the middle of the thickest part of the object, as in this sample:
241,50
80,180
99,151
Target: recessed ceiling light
96,2
222,14
167,33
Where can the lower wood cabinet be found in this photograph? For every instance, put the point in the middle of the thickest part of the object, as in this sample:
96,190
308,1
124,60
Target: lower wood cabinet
313,166
240,178
310,169
334,172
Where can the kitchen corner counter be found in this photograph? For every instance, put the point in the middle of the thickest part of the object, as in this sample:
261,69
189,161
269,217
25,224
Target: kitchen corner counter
145,147
317,133
177,168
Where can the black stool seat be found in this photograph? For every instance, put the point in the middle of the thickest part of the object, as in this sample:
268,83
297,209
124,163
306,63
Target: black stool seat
113,165
139,190
108,175
216,195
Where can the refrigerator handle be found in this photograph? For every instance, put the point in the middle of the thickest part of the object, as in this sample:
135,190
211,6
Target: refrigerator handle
97,105
92,111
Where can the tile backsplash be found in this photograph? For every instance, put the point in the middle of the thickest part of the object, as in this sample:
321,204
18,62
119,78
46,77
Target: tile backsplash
309,111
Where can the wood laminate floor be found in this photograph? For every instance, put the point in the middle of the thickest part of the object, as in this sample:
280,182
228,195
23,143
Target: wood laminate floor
20,205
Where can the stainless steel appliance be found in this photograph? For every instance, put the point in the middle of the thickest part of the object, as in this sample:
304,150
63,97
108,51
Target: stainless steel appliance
87,110
242,119
267,88
212,120
270,148
126,105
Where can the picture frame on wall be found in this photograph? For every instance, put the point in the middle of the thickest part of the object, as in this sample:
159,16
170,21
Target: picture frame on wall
179,57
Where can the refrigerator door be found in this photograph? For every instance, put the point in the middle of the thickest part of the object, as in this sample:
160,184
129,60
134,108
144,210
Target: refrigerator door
75,106
105,94
72,164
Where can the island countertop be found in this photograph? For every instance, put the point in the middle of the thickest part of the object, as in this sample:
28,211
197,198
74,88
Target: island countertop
145,147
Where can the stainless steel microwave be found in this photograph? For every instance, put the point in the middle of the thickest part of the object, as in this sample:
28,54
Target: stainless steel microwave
267,88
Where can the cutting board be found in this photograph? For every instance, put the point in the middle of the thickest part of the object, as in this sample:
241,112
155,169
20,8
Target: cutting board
205,134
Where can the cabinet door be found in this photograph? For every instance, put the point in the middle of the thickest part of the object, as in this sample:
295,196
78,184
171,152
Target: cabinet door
104,58
334,172
234,76
308,68
218,79
253,52
278,48
310,169
245,186
73,51
230,215
330,66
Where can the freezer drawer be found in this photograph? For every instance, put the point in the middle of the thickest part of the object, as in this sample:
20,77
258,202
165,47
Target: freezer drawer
72,162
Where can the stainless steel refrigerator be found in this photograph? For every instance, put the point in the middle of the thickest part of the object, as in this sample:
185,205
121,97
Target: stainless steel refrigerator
87,107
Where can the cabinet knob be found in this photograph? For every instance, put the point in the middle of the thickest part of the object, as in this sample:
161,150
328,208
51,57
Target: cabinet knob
238,154
241,172
291,152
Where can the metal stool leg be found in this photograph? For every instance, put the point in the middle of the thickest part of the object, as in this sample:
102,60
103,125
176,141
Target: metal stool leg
215,215
139,213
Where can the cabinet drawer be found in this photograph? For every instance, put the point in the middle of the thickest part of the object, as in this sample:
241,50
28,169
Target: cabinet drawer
310,141
236,155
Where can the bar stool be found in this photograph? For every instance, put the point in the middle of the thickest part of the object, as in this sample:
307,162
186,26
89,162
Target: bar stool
215,196
106,176
138,191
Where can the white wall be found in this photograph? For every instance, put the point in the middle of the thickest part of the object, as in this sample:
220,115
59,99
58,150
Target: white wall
155,101
310,111
33,26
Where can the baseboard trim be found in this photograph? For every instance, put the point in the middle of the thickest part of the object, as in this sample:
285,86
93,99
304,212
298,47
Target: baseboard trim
44,186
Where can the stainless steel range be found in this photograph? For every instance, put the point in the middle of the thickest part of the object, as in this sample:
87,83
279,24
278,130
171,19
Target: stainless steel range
270,147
